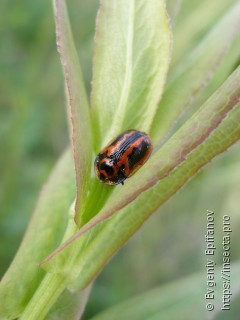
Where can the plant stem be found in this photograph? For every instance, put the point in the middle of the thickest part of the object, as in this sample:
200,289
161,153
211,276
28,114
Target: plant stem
99,195
44,298
54,284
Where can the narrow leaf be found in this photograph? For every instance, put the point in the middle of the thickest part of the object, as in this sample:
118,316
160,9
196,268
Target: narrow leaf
78,108
231,60
132,54
70,305
191,27
175,153
111,234
194,73
23,277
173,7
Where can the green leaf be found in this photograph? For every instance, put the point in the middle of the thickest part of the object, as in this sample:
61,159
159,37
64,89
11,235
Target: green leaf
194,145
182,299
173,7
77,103
113,233
229,63
194,73
70,305
191,26
132,54
24,275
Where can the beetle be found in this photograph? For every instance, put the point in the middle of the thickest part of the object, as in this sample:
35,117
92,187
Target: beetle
123,156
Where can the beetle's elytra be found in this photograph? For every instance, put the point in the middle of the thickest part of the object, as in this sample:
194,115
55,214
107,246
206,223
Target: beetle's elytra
123,156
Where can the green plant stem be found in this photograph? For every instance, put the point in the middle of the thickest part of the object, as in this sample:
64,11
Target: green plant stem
99,195
52,285
44,298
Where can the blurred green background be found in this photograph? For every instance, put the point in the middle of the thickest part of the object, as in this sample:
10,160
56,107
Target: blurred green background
33,134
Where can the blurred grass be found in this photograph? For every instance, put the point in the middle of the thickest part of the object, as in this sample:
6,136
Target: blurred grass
33,133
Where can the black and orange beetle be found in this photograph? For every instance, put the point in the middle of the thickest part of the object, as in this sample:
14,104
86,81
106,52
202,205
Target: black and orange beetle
123,156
